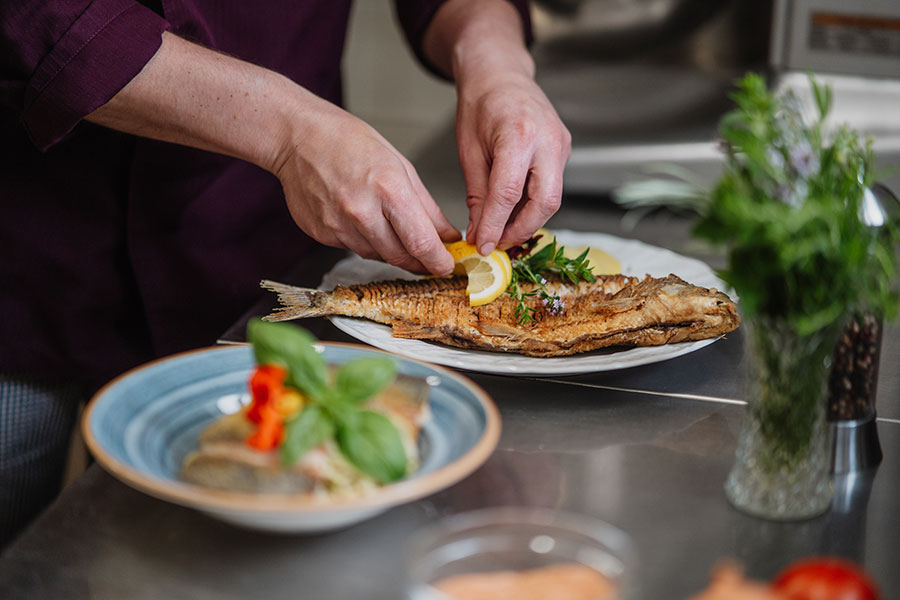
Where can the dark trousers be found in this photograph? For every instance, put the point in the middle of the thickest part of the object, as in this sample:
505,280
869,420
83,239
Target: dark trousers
36,421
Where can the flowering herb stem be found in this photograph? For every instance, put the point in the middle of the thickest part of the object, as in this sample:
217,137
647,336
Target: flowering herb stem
532,268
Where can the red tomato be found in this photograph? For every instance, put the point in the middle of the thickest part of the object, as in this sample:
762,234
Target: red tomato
825,579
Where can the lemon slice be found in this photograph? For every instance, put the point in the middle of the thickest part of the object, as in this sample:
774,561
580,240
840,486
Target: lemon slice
489,276
461,249
602,262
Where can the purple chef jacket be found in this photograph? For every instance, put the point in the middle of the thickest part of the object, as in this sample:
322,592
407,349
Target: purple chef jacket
116,249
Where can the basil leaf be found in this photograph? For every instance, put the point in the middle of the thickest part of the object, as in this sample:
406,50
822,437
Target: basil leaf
292,347
340,410
303,433
360,379
373,445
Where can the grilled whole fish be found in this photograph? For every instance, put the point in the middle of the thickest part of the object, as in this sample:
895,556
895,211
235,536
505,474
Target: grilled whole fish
616,310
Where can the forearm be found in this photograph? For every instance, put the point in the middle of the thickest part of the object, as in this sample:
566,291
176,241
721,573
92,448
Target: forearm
478,38
194,96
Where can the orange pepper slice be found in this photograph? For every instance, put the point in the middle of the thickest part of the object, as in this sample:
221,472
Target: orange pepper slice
270,431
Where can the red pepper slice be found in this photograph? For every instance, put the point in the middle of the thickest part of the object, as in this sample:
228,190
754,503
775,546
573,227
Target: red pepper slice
266,387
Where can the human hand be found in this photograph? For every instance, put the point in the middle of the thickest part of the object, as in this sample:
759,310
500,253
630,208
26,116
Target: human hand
346,186
513,148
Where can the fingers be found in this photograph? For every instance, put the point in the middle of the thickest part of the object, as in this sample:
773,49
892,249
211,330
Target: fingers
513,149
388,247
418,235
395,224
506,184
366,198
476,172
364,227
543,198
353,240
446,231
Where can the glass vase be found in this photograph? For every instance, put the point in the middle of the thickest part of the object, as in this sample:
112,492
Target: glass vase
783,461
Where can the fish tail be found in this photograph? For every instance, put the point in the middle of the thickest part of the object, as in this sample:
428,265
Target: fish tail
297,302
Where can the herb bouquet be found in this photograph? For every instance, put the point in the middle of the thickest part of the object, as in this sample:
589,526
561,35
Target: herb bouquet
788,208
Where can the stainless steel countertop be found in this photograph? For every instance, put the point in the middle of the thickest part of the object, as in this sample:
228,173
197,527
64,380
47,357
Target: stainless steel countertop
647,449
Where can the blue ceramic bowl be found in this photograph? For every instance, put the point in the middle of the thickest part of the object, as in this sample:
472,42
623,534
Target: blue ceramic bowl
141,425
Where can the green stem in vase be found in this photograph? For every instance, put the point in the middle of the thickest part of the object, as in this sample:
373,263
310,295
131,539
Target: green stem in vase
788,375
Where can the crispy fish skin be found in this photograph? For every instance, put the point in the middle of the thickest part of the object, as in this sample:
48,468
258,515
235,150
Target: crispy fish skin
616,310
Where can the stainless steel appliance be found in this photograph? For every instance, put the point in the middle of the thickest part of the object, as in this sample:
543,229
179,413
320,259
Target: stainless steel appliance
643,81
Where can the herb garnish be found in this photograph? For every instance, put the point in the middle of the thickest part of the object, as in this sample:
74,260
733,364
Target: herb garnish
532,267
336,406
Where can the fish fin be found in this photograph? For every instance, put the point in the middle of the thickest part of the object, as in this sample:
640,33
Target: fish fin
500,330
297,302
410,331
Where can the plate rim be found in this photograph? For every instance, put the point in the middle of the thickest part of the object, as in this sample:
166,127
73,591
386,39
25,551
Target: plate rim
194,496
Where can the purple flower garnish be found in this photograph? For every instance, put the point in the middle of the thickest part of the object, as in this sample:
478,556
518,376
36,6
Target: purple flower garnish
803,160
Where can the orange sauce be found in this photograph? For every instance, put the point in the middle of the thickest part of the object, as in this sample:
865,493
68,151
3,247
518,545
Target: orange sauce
569,581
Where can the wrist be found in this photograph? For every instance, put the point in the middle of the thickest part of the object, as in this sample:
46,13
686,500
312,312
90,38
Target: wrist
304,124
284,126
277,127
473,39
476,62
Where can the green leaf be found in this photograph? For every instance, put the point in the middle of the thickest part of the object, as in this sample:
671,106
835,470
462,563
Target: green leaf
360,379
304,432
537,260
292,347
823,97
373,445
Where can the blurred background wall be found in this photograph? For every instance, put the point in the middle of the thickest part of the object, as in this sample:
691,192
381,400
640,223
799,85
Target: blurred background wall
385,86
640,81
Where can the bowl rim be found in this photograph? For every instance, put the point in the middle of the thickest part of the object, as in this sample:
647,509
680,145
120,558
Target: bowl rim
196,496
428,540
480,520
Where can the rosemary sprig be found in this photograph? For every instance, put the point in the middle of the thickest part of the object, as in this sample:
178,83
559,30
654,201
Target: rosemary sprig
532,268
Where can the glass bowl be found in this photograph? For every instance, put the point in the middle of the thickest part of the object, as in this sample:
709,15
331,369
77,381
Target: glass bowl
519,540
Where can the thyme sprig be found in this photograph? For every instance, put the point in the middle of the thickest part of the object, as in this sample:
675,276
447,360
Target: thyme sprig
549,260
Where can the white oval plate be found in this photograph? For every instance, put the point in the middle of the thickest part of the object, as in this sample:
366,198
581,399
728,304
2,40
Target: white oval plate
637,258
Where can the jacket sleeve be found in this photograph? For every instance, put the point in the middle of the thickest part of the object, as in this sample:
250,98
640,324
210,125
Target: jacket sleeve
415,16
62,59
